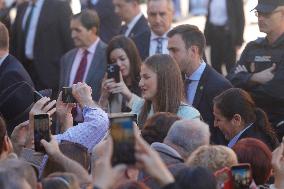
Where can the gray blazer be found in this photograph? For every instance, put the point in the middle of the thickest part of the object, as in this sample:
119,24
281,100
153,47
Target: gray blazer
96,72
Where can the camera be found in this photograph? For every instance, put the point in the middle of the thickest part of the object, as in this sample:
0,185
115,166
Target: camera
113,72
67,96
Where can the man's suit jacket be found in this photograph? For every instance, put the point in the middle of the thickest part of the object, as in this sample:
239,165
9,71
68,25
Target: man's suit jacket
52,40
210,85
140,27
236,22
110,23
142,42
11,72
95,74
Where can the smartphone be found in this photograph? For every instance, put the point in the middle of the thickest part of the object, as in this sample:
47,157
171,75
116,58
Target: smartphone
67,96
41,131
122,133
37,96
113,72
242,176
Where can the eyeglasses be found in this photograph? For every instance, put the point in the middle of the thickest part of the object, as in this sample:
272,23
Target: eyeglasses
265,15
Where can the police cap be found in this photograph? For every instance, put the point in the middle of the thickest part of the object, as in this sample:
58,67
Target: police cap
267,6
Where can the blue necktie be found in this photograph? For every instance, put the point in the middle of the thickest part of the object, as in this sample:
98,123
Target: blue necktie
159,49
187,82
123,29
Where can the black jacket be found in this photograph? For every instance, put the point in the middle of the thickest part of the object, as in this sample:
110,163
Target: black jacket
110,23
140,27
52,40
142,42
254,132
210,85
235,25
11,72
257,56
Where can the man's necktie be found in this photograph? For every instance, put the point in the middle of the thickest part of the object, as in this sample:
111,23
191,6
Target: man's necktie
82,68
187,82
159,48
28,21
124,29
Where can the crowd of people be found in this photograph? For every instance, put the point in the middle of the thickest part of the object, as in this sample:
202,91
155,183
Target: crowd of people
195,127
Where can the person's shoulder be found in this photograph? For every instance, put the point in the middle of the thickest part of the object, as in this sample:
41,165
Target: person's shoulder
145,35
187,111
216,79
12,62
256,43
102,44
70,53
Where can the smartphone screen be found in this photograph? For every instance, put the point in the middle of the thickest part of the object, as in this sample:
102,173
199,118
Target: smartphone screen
122,133
41,131
113,72
242,177
67,96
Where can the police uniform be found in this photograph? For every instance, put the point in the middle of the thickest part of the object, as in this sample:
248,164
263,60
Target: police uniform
258,56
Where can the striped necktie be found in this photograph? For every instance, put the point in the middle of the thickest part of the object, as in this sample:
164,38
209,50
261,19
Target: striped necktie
159,49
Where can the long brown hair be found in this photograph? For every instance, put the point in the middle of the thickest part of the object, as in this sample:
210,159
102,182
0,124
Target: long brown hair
130,49
237,101
169,86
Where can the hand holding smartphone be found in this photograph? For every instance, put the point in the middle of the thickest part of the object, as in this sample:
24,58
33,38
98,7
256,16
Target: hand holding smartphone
113,72
67,96
41,131
122,133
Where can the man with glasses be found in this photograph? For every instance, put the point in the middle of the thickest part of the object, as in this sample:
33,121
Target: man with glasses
260,69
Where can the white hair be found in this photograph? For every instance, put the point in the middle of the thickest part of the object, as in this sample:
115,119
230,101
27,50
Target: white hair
188,135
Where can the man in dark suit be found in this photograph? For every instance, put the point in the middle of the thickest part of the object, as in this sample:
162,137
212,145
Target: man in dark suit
87,62
110,22
40,36
202,83
11,70
160,16
224,30
135,22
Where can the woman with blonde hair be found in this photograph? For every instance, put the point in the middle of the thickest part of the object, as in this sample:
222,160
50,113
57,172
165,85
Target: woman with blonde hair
214,157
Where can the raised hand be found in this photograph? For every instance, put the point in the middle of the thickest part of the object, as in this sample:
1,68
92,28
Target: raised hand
83,94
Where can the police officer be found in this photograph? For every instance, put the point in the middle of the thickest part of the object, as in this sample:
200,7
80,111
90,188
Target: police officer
260,69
